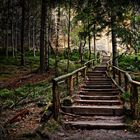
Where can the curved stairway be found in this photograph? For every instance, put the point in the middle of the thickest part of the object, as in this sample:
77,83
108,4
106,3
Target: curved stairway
97,104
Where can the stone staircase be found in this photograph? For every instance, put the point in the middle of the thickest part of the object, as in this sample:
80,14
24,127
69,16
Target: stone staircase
97,104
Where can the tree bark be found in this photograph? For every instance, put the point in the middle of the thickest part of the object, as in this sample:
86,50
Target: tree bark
114,46
94,43
12,32
89,43
7,29
57,38
22,32
69,17
42,35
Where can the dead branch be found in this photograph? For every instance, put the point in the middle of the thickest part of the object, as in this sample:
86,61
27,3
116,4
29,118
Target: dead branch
18,116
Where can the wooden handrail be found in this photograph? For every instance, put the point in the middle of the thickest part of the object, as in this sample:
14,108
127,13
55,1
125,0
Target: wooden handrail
126,83
69,77
57,79
128,76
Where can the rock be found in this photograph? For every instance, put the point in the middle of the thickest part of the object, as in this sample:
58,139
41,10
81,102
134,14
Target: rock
41,103
67,101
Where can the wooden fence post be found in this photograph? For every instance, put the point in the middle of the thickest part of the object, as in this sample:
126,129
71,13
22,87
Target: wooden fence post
71,85
85,71
126,82
56,100
134,100
77,78
114,73
119,78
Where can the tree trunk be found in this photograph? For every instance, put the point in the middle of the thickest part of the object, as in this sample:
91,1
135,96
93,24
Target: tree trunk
94,43
42,35
34,48
69,17
22,32
28,24
16,34
57,38
7,29
114,46
49,30
89,39
80,50
12,32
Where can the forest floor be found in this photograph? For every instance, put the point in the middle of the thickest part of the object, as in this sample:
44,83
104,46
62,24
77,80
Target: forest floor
24,120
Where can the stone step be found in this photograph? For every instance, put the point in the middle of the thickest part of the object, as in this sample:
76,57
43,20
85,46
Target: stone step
95,73
101,90
94,122
106,81
114,110
89,125
97,86
94,118
101,68
97,78
97,102
86,97
98,83
98,93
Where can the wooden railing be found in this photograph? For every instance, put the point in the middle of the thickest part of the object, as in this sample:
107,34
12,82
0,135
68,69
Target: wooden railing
69,79
126,84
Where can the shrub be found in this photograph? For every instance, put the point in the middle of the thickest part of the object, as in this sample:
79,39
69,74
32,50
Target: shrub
63,66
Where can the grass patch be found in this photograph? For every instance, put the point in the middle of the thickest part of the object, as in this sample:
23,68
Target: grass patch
31,91
11,66
52,126
128,63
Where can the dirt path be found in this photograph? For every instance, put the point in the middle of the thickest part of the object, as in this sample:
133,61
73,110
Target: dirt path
25,78
95,135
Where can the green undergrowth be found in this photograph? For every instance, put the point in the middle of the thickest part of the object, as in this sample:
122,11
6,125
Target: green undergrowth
126,96
129,62
10,66
10,97
52,125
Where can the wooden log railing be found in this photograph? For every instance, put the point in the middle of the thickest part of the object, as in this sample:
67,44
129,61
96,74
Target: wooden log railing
126,84
69,80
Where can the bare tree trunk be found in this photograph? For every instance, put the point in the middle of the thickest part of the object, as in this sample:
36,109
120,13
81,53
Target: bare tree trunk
7,29
12,39
12,32
89,39
48,36
29,35
49,29
28,24
80,51
69,18
94,43
22,32
16,34
57,38
42,35
34,48
114,46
